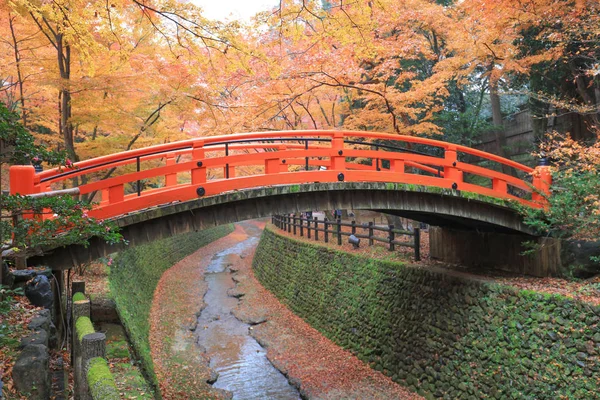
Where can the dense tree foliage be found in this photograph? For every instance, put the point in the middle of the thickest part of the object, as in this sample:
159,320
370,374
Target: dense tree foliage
91,78
22,226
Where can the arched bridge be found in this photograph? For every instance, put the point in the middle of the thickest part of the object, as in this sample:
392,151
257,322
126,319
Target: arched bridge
176,187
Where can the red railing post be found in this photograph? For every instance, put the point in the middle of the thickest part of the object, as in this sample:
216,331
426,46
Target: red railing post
338,160
452,173
22,179
272,166
283,167
104,197
542,179
198,154
171,179
397,166
116,194
500,186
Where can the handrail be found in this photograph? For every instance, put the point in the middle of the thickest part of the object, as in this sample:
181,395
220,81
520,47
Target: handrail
284,157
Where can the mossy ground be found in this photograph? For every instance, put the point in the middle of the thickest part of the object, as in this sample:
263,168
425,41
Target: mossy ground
130,381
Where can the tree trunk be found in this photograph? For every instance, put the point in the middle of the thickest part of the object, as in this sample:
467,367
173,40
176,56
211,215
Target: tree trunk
497,121
18,66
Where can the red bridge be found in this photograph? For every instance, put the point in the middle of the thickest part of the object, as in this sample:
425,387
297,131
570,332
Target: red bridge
212,165
177,187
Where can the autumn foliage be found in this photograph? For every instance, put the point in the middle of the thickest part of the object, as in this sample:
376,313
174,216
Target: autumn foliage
96,77
92,78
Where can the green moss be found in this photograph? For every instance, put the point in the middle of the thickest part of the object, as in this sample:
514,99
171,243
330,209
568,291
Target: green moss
135,273
101,381
449,336
79,296
83,326
117,349
130,382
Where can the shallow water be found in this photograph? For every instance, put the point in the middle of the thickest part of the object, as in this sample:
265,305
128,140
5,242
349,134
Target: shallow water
237,357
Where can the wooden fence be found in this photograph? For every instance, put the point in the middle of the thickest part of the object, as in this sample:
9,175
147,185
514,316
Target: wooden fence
314,227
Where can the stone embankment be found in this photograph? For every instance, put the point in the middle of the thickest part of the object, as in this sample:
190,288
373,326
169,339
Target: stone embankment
444,335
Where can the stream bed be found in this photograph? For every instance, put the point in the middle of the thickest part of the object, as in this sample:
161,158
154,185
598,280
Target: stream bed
240,361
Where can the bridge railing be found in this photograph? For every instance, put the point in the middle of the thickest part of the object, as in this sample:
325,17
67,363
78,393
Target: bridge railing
137,179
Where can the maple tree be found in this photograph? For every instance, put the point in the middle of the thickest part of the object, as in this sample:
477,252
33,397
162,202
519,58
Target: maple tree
94,78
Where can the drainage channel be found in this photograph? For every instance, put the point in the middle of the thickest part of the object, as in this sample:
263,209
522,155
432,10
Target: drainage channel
241,363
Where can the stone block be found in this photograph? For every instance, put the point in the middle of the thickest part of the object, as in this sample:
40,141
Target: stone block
31,372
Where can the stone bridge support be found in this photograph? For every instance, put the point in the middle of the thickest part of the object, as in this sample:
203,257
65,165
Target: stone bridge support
502,251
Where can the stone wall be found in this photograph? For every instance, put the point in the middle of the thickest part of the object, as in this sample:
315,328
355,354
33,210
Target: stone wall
442,335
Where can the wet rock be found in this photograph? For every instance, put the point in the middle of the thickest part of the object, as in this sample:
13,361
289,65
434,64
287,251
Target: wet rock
255,319
7,278
40,323
235,292
37,337
30,372
23,275
232,268
193,325
39,292
213,377
581,356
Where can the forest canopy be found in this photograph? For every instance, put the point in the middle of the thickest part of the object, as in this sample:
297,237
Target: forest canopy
96,77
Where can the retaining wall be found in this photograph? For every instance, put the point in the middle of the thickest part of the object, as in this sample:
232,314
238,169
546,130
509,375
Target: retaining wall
443,335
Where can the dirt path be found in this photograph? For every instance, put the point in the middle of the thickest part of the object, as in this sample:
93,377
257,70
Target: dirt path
314,364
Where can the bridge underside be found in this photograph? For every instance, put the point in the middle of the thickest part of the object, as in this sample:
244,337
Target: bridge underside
438,207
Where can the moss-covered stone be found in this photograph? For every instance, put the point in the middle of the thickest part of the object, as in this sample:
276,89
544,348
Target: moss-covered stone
79,296
83,327
447,336
100,380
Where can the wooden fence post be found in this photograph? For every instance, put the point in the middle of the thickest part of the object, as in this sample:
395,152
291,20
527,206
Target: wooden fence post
289,223
316,228
353,227
391,238
301,226
77,286
417,233
308,227
92,345
339,230
294,223
80,308
370,233
325,228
